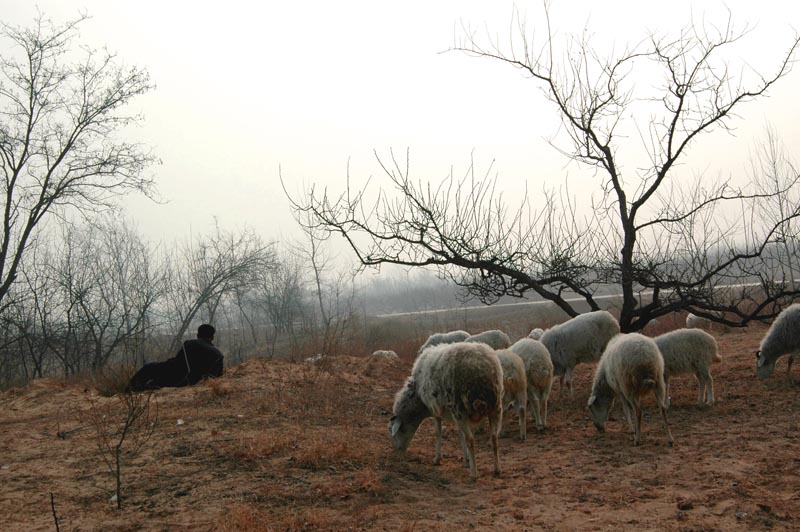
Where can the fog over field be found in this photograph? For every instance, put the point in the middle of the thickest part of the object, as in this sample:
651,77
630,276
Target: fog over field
311,88
289,171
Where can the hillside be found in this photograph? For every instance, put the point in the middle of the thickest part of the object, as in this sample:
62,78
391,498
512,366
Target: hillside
280,446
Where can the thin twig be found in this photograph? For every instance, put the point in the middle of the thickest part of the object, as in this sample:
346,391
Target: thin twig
53,508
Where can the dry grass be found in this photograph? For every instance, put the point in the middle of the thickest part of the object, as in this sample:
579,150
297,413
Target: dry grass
218,387
277,446
110,380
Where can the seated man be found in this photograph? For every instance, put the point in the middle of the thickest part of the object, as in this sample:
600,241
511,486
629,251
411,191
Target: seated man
196,360
202,358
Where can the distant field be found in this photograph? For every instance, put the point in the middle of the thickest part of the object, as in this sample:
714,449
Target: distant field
515,319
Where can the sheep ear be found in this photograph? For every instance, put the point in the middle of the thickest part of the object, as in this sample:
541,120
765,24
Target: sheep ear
592,399
758,354
760,362
394,425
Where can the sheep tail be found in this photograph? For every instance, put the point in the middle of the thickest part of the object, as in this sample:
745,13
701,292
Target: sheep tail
648,384
480,408
716,359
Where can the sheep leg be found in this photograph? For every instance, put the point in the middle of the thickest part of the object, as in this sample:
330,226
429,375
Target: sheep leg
437,457
504,419
637,434
543,415
789,367
626,408
708,381
536,406
523,418
660,401
568,378
701,392
468,443
545,397
495,450
667,401
464,448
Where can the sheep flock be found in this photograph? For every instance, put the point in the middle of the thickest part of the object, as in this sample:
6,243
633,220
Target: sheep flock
467,378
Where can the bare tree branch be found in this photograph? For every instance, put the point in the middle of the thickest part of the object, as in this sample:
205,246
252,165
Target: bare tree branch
62,110
662,249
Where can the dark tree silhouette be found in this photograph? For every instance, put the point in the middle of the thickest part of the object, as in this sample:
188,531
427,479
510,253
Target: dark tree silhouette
664,244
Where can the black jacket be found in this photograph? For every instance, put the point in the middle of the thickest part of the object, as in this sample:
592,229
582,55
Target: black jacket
204,360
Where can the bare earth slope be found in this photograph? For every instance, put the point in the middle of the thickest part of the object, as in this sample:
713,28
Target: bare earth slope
278,446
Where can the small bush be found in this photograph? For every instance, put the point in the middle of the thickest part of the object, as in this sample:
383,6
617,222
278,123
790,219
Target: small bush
112,379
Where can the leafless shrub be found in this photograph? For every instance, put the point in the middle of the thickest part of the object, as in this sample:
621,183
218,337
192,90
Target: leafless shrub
122,426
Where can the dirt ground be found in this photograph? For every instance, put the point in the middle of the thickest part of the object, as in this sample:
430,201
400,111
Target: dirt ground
280,446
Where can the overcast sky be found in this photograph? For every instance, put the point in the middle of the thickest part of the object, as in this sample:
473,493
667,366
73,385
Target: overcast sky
243,88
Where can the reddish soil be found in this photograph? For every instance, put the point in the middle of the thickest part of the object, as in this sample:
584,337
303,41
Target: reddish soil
280,446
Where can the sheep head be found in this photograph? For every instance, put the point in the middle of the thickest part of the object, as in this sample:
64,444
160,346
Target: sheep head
599,407
764,367
409,412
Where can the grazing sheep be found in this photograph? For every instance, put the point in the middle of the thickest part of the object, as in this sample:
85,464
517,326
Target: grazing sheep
384,353
630,367
697,322
652,325
496,339
462,382
689,351
581,339
539,374
515,386
782,338
444,338
536,334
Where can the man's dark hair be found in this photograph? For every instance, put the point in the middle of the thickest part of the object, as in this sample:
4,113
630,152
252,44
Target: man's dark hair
206,331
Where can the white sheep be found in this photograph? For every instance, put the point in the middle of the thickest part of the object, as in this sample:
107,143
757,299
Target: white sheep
694,321
782,338
630,367
689,351
581,339
536,334
384,353
445,338
539,374
462,382
496,339
515,388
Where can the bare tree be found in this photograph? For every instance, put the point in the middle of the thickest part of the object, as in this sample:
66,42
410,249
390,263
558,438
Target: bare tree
121,428
282,293
334,291
776,176
206,270
85,296
664,245
63,111
120,285
28,317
